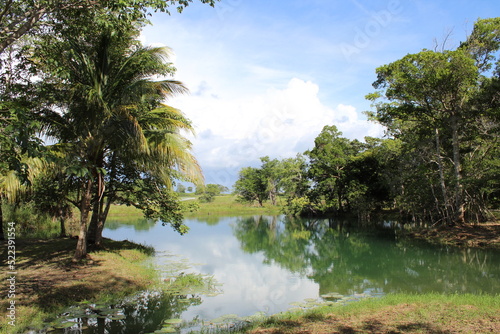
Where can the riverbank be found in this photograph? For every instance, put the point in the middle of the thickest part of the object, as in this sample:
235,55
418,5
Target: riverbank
485,235
427,313
227,205
46,279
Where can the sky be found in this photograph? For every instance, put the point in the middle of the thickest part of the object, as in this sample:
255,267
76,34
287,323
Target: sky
265,76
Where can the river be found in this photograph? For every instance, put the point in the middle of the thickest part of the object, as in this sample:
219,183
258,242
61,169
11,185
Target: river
268,264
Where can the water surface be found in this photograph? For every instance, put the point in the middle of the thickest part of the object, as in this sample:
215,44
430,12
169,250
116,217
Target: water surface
264,263
268,264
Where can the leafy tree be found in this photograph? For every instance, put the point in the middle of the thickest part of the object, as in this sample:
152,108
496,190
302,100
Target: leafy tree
251,185
18,122
209,192
293,176
429,100
328,161
115,127
181,189
21,17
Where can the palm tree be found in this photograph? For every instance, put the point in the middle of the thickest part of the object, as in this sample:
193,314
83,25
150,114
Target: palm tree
113,113
13,185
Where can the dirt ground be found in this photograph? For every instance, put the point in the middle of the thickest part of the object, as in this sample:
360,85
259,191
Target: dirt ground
405,318
484,235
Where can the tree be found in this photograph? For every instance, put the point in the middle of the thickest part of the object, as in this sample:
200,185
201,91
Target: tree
21,17
209,192
327,168
251,185
429,99
114,126
181,189
293,177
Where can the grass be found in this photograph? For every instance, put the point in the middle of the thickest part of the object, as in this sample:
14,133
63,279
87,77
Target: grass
48,281
427,313
223,205
226,205
124,213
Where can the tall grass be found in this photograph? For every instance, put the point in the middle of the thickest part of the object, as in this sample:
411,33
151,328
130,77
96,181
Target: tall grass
29,222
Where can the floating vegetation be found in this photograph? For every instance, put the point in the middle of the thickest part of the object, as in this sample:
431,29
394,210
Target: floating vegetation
177,291
192,284
332,296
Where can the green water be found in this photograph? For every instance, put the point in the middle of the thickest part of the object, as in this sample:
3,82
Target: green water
268,264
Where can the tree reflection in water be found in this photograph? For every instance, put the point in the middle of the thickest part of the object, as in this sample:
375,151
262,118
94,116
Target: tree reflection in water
349,258
141,314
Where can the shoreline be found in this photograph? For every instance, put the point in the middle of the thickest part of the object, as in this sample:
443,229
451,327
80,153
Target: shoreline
47,281
485,235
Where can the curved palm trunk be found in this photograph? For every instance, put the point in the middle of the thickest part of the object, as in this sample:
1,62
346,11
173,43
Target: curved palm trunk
81,246
91,232
97,209
100,224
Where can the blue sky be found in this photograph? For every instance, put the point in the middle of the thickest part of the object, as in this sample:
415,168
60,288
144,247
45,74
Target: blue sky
265,76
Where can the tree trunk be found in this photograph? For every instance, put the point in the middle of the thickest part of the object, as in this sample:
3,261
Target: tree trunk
81,246
457,169
62,219
447,203
97,210
102,220
94,220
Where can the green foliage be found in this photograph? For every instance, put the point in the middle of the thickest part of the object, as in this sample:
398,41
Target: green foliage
251,185
208,192
158,202
23,17
29,221
181,189
115,129
273,178
442,108
298,206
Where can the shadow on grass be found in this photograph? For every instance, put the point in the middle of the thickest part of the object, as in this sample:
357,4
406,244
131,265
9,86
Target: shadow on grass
375,326
284,326
421,327
48,278
117,246
31,253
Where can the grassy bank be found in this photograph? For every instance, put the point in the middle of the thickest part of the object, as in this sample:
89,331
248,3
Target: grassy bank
48,281
226,205
223,205
427,313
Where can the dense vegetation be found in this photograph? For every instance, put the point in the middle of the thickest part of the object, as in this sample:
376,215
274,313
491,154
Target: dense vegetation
84,125
439,161
74,73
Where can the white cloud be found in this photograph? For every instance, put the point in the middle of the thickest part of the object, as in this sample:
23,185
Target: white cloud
278,123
